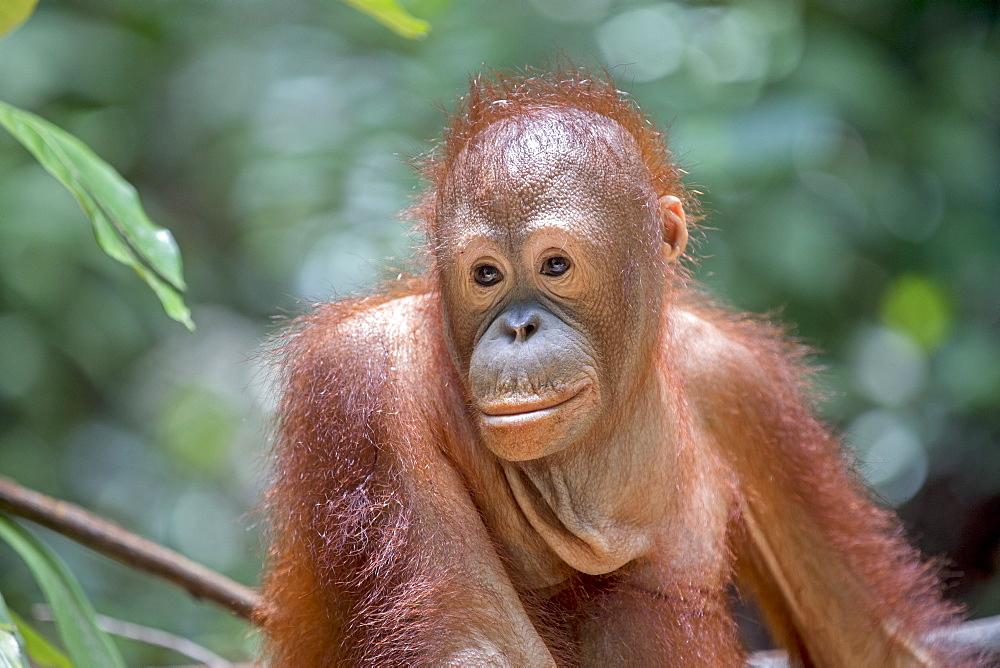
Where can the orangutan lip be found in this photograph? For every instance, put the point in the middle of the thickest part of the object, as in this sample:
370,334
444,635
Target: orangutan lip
530,408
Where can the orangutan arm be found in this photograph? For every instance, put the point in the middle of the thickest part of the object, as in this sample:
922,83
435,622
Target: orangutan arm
831,570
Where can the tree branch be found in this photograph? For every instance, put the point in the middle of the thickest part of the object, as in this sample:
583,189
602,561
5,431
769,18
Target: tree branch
129,549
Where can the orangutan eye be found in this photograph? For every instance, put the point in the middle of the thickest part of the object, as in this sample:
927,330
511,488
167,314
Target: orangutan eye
487,275
556,265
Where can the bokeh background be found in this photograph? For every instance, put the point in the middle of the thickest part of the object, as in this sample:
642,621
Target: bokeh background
848,151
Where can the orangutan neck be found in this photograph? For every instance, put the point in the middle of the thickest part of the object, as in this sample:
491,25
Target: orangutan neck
570,498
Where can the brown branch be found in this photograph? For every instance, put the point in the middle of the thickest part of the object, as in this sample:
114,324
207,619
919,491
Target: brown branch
129,549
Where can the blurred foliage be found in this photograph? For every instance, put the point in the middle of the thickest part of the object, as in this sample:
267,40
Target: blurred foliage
848,150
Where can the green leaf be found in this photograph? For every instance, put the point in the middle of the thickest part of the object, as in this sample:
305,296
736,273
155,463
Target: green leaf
13,13
392,15
120,225
40,651
919,307
11,642
10,650
75,618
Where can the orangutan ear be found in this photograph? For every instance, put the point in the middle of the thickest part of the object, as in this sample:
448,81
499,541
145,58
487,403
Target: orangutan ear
673,226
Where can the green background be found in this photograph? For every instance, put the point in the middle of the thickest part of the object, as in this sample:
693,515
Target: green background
848,151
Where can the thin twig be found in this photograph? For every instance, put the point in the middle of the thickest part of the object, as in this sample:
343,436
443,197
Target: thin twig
127,548
148,635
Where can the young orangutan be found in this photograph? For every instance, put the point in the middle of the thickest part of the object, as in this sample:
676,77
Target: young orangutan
551,449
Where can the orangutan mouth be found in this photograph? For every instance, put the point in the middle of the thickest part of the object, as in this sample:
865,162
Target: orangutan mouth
529,408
